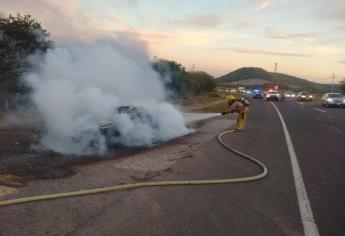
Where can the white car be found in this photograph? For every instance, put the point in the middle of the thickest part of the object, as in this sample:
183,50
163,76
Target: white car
304,96
272,96
333,99
289,95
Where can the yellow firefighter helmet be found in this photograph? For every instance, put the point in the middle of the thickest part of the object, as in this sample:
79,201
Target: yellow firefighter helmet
231,97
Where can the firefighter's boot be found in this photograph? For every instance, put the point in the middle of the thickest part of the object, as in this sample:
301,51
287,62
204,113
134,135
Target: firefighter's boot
241,121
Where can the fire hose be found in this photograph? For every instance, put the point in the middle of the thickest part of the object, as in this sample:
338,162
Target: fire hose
153,183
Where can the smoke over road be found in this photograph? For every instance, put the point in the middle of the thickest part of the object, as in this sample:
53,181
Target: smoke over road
78,85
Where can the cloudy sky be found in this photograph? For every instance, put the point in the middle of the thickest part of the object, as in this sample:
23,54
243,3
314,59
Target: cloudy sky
305,37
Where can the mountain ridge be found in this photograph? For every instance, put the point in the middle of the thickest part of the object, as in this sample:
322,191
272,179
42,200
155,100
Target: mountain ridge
248,75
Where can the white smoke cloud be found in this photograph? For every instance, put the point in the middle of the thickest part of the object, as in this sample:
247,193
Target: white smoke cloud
264,3
78,85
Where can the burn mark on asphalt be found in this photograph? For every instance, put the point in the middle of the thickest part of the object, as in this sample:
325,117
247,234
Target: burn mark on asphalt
147,176
185,156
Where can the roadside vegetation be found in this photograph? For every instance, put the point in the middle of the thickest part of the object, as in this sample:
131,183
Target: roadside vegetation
182,83
20,36
213,108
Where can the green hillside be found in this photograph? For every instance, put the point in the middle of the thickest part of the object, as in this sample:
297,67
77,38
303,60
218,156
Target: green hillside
245,73
284,80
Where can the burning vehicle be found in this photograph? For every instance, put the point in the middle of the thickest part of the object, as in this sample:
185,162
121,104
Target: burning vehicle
109,133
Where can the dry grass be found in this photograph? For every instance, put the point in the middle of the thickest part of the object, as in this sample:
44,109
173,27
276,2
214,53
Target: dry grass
200,99
217,108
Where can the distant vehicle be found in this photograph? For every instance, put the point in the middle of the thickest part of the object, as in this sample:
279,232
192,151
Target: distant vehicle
272,96
304,96
245,92
258,94
240,89
288,95
333,99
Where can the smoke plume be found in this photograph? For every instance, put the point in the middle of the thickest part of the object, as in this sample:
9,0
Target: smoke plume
76,86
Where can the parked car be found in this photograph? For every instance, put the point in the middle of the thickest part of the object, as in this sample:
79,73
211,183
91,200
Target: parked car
304,96
333,99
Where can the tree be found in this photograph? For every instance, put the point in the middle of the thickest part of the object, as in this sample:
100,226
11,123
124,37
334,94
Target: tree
20,36
342,86
182,83
198,82
171,73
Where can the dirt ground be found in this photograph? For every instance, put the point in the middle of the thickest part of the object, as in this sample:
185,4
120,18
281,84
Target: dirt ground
20,132
20,165
21,162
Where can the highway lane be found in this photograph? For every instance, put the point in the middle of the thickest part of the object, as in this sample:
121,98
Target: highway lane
319,141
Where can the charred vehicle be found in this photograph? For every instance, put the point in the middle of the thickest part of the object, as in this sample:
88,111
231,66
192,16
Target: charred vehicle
109,135
111,131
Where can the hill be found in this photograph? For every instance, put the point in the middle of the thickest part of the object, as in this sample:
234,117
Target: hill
253,76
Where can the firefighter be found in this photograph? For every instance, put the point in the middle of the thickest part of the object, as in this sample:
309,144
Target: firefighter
231,98
239,106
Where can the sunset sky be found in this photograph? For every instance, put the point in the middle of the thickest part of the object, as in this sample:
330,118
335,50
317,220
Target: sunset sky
306,38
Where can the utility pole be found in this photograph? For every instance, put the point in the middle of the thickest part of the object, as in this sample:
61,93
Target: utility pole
334,77
275,67
332,88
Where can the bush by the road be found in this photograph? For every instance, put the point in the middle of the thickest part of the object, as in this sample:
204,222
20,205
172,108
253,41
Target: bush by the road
20,36
182,83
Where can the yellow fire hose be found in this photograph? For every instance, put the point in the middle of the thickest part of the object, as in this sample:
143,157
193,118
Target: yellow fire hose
151,184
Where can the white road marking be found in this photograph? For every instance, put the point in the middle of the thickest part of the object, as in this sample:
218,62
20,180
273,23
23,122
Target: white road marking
309,225
300,103
319,109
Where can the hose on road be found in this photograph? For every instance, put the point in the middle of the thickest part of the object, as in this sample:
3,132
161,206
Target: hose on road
151,184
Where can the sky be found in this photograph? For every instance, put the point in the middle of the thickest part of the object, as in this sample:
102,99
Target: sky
305,37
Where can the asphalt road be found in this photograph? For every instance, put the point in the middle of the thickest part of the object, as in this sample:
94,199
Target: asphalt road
318,135
265,207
